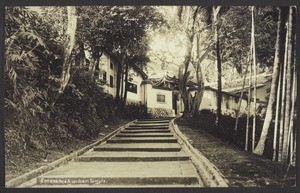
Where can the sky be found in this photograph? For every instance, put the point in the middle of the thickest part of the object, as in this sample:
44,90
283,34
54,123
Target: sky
166,47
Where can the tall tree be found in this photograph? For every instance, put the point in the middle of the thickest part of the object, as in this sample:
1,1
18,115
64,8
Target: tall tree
283,99
249,101
120,31
189,18
289,50
69,45
216,10
277,116
277,61
255,78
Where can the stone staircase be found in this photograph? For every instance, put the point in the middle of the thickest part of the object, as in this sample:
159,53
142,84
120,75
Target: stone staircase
143,154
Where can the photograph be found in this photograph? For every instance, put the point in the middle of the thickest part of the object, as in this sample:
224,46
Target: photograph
150,96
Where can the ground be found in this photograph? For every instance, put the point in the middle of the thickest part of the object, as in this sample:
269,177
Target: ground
35,158
240,168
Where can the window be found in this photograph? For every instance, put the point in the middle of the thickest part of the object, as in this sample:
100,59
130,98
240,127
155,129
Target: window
111,65
104,76
111,81
161,98
131,87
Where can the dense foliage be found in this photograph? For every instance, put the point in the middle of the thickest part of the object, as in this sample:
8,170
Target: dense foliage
37,117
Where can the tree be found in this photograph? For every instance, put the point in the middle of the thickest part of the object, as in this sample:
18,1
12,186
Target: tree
69,45
133,43
277,61
188,18
121,32
277,116
255,78
216,10
289,50
27,57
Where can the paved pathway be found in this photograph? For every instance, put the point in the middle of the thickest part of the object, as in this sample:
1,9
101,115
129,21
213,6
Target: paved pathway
143,154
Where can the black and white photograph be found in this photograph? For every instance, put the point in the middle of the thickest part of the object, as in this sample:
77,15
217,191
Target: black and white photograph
150,96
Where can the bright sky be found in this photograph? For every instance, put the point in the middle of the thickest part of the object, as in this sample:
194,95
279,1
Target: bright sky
166,48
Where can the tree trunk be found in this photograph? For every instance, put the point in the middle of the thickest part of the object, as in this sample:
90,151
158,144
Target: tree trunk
126,86
122,87
254,91
277,116
197,99
248,103
119,82
97,64
191,104
69,45
293,112
183,75
242,93
219,67
283,101
80,57
292,117
277,59
288,84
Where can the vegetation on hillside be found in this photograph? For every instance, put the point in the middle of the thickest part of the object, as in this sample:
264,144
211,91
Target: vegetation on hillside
52,97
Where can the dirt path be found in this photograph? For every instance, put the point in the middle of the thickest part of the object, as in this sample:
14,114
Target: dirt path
240,168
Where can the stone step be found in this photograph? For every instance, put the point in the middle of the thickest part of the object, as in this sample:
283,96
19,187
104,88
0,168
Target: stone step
153,120
143,140
113,156
149,126
146,131
152,147
146,123
145,135
120,173
137,128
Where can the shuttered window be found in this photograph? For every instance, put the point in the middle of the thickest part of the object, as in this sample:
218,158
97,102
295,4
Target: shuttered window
131,87
161,98
111,81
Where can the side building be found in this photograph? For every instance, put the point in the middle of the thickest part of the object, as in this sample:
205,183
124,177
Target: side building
159,92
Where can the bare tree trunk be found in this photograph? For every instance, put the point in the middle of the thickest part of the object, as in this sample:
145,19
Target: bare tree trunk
183,75
269,114
249,105
294,130
254,91
277,116
80,57
242,93
69,45
293,154
288,85
119,82
283,103
126,86
197,99
292,117
122,87
219,67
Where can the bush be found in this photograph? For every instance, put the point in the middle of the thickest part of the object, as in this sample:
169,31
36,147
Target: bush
135,111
